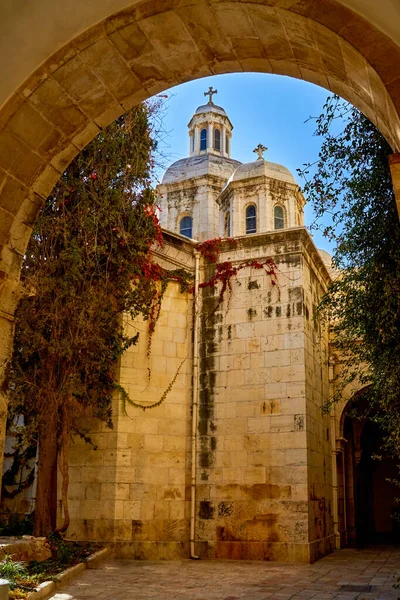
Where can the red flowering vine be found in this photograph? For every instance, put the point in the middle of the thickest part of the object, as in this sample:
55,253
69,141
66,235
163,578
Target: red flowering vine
225,272
210,249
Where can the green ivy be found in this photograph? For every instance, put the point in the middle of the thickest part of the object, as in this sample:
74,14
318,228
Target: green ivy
351,191
84,267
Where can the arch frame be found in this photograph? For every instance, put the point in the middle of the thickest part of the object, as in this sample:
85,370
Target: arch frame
180,218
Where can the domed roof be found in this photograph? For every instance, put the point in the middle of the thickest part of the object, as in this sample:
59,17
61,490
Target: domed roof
326,257
205,108
328,262
197,166
261,167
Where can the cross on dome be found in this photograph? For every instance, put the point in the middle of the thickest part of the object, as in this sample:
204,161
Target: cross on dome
260,149
210,94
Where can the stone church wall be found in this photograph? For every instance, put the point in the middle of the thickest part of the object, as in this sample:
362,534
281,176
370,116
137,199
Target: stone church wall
256,470
133,489
263,455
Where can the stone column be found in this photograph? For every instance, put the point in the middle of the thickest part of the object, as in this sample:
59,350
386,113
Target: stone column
196,140
7,288
394,162
191,145
6,344
11,256
210,141
338,445
228,146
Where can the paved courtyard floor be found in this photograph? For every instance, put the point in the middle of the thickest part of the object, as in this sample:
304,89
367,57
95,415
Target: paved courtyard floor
344,575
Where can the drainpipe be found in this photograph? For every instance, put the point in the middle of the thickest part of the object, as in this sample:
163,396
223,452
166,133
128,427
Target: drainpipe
335,495
334,455
195,372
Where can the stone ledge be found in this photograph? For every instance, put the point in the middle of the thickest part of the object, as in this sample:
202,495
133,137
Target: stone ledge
49,587
42,591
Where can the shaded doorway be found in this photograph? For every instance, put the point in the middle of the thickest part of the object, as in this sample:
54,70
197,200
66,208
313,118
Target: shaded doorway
368,511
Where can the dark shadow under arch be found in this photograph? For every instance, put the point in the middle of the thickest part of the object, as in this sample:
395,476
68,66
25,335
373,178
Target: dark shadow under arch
368,511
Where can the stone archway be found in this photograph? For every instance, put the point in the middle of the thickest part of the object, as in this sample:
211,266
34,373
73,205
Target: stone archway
87,80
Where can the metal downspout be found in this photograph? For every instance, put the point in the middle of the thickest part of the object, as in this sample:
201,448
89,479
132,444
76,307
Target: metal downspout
335,496
195,372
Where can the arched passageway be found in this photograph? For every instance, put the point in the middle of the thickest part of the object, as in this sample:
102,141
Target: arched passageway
367,507
100,62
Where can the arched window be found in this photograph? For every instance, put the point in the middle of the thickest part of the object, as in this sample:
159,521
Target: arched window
279,218
217,139
203,139
185,226
251,219
227,144
227,228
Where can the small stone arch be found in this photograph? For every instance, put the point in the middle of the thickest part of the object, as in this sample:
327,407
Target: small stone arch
179,220
347,406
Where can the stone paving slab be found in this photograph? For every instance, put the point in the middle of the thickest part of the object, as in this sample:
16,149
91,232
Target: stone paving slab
345,575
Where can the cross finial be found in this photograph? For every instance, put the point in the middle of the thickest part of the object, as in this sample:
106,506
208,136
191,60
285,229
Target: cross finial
260,149
210,94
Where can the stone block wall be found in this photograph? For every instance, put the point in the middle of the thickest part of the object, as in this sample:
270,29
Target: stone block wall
133,489
263,455
255,473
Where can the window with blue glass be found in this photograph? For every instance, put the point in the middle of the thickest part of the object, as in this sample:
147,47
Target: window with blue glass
279,218
203,139
185,227
251,219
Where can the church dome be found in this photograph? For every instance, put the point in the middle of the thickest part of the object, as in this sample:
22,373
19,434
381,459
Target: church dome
262,167
328,262
198,166
213,108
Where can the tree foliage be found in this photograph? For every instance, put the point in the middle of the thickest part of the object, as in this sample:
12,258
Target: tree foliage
83,269
350,187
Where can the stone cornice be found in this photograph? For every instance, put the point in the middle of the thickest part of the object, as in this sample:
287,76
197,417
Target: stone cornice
208,116
259,180
179,241
295,234
175,245
193,182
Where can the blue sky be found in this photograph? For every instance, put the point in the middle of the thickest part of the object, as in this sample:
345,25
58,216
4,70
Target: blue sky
267,109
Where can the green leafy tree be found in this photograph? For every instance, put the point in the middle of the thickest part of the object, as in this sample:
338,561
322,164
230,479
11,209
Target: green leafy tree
85,266
350,186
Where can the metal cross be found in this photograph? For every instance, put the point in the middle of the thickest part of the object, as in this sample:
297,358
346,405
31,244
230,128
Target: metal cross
260,149
210,94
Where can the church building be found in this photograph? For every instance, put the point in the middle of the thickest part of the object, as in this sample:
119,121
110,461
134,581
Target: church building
226,452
